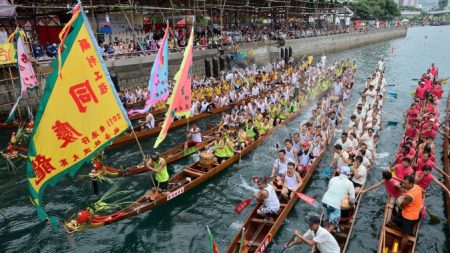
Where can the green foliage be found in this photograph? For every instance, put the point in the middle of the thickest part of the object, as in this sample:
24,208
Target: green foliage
375,9
442,4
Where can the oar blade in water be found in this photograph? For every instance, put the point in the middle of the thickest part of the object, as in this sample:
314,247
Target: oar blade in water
241,206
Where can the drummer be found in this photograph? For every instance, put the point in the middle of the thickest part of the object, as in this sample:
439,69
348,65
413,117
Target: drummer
195,134
149,121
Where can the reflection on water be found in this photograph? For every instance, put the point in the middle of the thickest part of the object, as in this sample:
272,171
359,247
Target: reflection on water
179,226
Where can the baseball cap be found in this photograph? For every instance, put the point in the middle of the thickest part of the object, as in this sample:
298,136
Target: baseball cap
345,170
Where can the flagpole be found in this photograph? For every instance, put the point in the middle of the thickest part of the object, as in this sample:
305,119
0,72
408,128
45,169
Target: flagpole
142,153
14,89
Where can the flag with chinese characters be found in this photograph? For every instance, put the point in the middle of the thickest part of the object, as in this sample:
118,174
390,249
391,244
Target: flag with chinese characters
158,85
212,242
79,113
7,51
179,102
27,76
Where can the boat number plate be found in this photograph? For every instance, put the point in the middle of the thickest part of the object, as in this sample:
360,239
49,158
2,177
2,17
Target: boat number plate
175,193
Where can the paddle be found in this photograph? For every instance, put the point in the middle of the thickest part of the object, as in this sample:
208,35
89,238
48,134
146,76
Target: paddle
289,242
244,204
434,219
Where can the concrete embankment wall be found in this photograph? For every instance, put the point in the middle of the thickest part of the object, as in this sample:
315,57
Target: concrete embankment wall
320,45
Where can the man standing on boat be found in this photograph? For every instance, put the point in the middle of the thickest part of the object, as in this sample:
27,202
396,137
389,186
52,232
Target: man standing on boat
149,121
268,197
338,188
158,165
195,134
410,209
316,235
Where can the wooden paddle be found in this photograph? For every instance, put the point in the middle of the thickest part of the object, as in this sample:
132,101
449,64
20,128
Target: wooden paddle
289,242
244,204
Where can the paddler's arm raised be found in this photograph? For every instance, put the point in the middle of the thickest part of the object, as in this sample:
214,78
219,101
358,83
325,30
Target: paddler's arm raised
373,187
441,185
441,171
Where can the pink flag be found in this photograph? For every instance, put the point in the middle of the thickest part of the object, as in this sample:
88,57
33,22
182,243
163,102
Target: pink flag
28,78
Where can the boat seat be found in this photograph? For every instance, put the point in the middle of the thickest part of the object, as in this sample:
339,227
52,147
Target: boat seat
397,233
263,221
193,172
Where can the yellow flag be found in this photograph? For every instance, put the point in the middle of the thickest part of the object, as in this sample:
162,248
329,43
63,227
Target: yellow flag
7,52
79,112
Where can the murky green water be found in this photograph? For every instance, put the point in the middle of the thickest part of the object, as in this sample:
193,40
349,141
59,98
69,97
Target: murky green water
179,226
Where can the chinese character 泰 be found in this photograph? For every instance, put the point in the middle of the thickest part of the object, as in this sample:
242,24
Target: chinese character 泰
41,166
64,131
82,93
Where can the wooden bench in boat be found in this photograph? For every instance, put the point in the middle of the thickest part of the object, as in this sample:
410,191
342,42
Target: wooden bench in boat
399,234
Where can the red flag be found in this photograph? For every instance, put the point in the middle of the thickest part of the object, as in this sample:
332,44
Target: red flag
241,206
306,198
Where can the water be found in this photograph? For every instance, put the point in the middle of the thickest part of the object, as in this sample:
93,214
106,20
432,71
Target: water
180,225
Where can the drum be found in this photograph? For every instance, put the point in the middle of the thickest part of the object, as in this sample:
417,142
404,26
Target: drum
206,158
334,98
345,203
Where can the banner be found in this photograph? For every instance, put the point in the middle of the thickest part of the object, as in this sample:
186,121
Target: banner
180,100
7,53
28,78
79,113
158,84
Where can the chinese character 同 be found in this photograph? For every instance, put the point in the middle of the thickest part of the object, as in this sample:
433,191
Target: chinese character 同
82,93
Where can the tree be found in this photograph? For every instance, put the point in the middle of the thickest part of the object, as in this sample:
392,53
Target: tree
442,4
375,9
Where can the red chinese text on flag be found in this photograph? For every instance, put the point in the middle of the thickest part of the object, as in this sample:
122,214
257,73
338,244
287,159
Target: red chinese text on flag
180,100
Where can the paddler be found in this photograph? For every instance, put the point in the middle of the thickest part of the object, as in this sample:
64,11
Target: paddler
222,148
268,197
410,210
158,165
316,235
338,188
280,166
251,131
291,182
424,177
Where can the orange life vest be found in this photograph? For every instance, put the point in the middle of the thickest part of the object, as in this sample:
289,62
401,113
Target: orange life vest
413,209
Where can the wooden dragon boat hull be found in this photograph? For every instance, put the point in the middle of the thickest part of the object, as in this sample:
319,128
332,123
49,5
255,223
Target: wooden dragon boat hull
182,182
174,154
